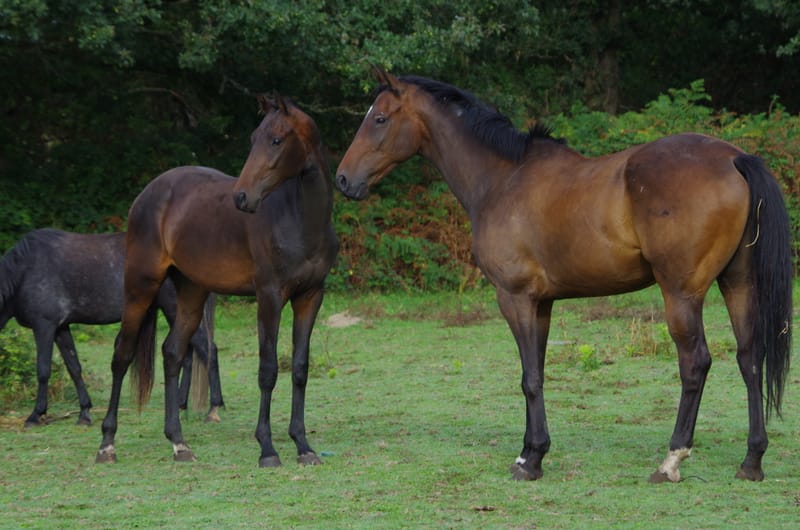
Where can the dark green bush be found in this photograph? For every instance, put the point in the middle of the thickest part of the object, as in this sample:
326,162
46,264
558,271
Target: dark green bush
18,367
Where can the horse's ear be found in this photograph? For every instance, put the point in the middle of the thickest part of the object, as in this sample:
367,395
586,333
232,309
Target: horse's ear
380,73
280,103
385,78
263,103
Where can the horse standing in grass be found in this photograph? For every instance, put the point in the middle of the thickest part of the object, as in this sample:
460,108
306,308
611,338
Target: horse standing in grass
51,279
187,225
548,224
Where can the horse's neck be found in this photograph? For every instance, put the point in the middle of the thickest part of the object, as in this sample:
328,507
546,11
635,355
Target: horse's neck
315,192
471,170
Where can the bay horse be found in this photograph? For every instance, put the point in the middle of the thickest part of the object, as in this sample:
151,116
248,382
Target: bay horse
187,225
549,223
52,278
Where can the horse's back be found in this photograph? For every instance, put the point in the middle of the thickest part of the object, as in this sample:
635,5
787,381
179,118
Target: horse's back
186,218
616,223
70,277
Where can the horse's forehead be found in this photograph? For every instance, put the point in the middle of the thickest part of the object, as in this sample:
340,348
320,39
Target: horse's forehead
386,103
280,123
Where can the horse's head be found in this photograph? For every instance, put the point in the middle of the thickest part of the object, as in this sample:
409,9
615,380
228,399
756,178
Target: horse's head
389,134
282,147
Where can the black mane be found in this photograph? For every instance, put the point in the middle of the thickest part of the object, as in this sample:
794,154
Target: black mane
485,123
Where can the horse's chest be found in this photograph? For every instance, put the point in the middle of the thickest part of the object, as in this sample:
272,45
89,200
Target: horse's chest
302,263
506,261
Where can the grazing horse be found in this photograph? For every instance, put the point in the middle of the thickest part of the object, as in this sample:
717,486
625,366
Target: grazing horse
548,224
51,279
187,225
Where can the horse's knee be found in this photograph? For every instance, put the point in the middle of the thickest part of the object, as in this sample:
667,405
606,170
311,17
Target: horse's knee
267,376
43,374
531,385
300,373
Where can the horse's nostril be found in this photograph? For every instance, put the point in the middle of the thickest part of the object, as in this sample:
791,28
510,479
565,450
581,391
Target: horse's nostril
341,182
240,199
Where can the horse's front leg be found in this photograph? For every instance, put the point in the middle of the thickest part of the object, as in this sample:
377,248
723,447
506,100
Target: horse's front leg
269,317
529,320
305,308
215,387
66,346
44,336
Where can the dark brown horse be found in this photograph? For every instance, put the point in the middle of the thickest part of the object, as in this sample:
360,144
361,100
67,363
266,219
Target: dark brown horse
548,224
184,226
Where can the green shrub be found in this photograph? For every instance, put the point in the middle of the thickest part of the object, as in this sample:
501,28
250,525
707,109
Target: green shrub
17,364
18,368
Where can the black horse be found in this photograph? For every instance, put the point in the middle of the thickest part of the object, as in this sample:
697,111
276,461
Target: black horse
52,279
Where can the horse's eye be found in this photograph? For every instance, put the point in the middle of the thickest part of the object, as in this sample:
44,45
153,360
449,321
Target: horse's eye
276,141
380,119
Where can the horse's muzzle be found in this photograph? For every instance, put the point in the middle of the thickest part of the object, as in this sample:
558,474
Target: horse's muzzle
241,202
357,192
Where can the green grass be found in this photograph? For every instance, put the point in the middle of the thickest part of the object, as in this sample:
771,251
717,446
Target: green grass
418,414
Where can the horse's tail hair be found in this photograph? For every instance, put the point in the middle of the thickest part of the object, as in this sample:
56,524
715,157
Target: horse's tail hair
198,394
771,275
12,269
143,365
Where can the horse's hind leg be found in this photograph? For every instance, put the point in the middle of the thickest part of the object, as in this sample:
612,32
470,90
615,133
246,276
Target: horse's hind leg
168,304
138,308
305,308
685,321
736,289
44,336
70,355
189,312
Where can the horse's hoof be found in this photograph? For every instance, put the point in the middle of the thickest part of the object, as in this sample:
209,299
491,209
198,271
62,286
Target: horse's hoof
659,477
309,459
270,461
184,455
106,456
84,420
756,475
35,421
520,473
213,415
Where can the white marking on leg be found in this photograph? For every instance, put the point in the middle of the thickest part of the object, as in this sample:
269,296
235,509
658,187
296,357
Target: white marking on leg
520,461
107,450
670,465
179,448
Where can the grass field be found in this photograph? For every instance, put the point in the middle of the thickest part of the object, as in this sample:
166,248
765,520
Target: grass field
417,413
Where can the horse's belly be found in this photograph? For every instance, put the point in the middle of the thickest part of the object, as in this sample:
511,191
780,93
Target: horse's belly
567,271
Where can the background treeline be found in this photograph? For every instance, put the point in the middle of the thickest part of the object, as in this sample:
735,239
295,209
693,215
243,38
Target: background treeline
98,97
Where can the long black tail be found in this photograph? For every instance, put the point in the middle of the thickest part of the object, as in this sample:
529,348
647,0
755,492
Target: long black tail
12,268
143,372
771,275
